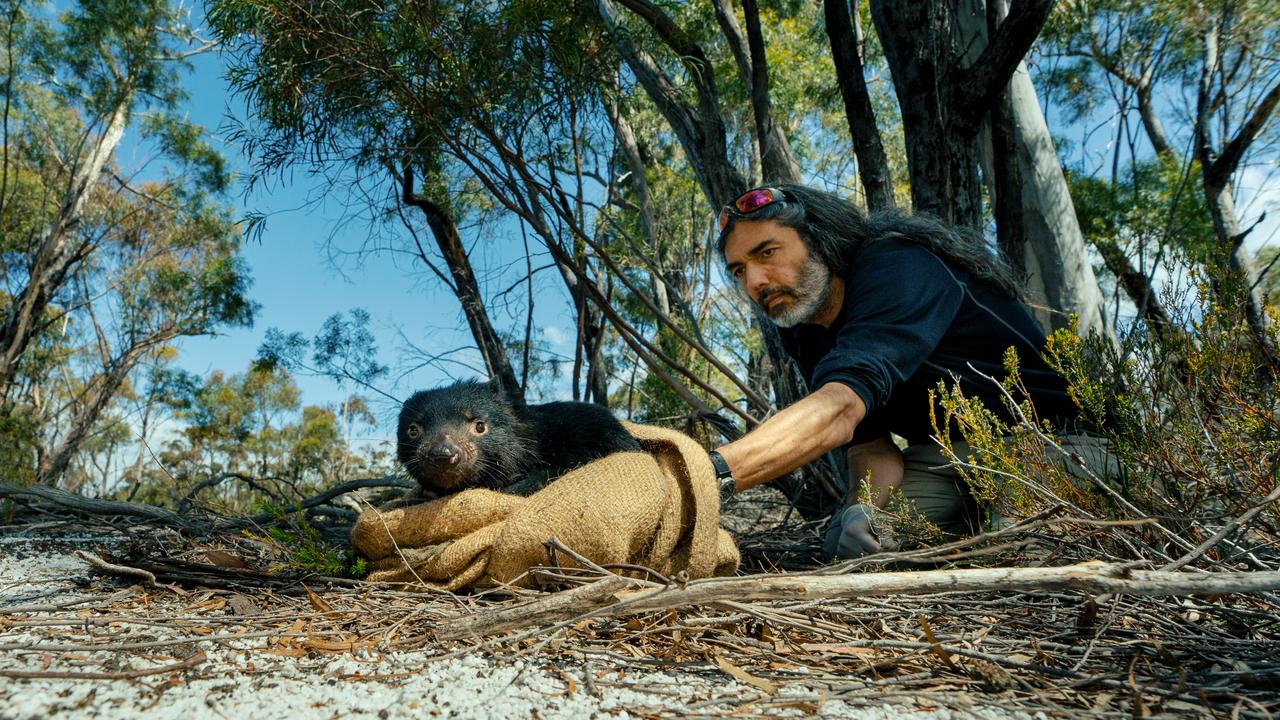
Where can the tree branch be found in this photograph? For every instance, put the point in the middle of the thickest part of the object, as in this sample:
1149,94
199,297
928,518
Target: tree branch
1233,151
974,93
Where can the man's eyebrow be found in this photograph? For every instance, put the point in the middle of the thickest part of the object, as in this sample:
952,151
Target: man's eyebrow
758,247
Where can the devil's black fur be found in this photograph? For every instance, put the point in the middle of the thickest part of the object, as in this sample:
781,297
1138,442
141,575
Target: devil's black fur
470,434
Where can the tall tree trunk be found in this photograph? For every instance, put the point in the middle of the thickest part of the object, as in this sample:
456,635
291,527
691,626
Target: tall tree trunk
1218,166
917,37
947,79
1049,224
56,252
778,163
465,287
846,53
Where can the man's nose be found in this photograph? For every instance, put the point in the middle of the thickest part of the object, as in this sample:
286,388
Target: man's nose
753,281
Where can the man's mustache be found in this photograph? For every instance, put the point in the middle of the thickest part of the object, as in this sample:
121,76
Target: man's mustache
762,299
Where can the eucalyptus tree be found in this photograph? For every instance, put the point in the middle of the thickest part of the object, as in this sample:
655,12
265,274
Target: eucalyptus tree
1204,84
73,86
101,271
951,64
483,105
437,85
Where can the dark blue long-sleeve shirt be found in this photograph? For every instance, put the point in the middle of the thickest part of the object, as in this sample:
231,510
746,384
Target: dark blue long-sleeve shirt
910,319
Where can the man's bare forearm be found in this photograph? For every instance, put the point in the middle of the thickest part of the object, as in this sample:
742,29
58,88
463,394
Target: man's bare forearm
878,463
822,421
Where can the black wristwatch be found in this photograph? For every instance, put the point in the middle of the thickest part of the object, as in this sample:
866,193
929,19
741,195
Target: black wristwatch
724,476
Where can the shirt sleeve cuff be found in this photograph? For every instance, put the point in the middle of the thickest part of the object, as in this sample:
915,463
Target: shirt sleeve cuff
857,384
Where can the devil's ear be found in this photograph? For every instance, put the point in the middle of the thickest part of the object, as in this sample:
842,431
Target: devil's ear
513,395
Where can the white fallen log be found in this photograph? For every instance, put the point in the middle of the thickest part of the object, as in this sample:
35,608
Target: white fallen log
625,596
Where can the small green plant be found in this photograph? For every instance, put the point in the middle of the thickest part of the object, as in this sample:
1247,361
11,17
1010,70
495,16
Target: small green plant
305,549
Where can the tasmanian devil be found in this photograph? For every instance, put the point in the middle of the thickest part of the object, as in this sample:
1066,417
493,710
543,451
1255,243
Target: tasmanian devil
472,435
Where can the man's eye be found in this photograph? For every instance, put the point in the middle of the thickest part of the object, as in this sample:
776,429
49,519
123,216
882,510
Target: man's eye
737,272
768,252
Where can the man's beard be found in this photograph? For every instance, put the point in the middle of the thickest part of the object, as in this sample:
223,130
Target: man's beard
812,292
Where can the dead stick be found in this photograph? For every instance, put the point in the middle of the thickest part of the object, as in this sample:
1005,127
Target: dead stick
1226,530
122,675
101,564
1091,577
554,607
64,604
96,507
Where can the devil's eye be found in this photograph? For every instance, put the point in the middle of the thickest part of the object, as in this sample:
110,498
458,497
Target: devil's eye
414,431
480,427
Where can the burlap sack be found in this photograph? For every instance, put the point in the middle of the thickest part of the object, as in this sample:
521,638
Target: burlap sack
659,508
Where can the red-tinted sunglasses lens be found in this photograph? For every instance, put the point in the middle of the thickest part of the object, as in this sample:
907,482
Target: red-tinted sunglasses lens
749,202
753,200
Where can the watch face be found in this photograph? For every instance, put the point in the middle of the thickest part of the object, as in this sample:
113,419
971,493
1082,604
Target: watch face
728,486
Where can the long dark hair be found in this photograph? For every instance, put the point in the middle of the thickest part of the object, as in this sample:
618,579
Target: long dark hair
836,232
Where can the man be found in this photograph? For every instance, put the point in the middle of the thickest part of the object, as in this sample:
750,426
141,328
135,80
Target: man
876,310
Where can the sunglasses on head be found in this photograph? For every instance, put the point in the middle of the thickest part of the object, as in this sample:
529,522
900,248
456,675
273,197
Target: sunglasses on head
751,201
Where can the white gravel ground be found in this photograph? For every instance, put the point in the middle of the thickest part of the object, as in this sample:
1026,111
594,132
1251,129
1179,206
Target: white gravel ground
239,682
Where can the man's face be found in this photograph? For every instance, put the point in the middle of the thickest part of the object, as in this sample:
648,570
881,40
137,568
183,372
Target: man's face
773,267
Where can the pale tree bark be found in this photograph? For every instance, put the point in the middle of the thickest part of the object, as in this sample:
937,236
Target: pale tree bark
1055,244
57,250
1218,167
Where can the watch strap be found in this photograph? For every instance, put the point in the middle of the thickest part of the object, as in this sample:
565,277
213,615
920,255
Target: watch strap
724,476
722,467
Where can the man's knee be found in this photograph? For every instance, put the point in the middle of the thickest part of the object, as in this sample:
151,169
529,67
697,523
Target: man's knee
936,490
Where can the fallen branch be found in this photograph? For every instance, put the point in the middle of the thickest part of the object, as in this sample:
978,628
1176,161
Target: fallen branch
644,596
91,506
189,523
105,566
549,609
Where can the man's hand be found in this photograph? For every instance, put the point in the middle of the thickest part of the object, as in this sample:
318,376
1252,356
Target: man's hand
854,532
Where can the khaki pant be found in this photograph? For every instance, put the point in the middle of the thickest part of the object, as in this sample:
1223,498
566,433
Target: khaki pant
939,493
